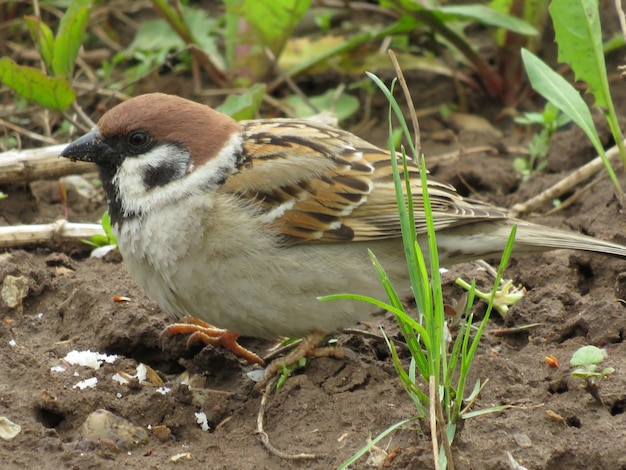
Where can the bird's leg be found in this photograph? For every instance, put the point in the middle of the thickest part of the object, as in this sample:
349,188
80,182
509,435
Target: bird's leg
202,332
306,348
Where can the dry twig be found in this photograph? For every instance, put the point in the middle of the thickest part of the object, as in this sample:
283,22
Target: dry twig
583,173
60,231
18,167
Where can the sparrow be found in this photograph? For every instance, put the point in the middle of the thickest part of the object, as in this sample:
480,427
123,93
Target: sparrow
243,225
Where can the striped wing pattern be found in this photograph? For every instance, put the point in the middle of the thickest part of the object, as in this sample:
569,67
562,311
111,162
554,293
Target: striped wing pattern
315,183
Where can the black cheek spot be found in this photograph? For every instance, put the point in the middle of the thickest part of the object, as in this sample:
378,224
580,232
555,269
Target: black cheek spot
161,175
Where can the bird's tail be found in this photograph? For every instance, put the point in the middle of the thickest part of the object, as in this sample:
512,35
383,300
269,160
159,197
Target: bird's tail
546,238
465,243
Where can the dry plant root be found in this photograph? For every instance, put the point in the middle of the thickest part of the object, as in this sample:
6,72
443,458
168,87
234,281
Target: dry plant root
264,438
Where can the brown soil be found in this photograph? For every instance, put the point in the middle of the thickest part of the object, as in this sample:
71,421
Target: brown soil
332,406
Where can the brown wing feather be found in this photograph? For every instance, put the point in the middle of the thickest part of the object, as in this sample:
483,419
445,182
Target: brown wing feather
335,186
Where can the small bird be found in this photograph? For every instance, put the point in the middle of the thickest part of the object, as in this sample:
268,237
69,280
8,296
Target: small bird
242,225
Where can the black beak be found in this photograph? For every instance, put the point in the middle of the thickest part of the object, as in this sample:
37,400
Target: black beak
88,148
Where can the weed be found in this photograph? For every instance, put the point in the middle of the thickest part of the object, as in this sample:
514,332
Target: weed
443,371
550,120
579,38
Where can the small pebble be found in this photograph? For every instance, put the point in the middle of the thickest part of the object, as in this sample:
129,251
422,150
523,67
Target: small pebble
102,424
162,433
522,440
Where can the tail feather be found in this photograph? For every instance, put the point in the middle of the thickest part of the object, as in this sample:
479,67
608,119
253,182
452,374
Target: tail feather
488,239
532,235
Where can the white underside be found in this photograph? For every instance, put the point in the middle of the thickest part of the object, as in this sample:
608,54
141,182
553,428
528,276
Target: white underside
232,278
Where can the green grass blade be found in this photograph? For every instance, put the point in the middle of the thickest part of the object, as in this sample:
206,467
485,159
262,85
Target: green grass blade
374,441
486,15
408,379
467,355
70,37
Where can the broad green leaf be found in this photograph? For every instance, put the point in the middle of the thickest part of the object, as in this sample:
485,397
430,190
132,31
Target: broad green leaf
70,38
241,107
42,36
154,35
579,36
564,96
342,106
273,20
204,29
588,355
487,16
158,38
559,92
53,92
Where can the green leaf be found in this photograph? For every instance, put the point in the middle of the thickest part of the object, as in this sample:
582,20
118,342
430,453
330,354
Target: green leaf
31,83
487,16
483,14
535,12
272,20
342,106
156,35
579,36
564,96
42,36
98,240
493,409
158,38
588,355
531,118
617,41
105,221
521,164
70,38
586,373
241,107
204,29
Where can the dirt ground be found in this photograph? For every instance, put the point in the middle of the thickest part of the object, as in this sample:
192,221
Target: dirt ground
331,407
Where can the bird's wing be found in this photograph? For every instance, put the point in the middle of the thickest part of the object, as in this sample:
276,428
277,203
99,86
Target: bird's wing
315,183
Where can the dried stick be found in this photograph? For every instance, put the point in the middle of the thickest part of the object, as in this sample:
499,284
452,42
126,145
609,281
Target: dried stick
583,173
60,231
17,167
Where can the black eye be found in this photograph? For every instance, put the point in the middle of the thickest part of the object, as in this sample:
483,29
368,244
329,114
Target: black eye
138,138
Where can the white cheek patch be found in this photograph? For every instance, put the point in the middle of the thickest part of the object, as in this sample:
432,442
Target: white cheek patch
138,198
